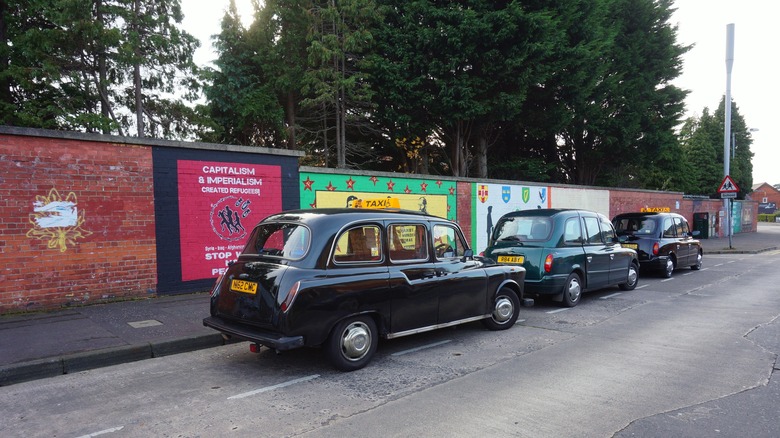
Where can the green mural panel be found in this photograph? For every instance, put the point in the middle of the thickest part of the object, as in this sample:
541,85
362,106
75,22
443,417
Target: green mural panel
324,190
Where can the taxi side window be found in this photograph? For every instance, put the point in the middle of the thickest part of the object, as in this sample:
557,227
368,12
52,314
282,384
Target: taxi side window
592,232
572,234
607,232
668,227
447,242
359,244
680,226
408,242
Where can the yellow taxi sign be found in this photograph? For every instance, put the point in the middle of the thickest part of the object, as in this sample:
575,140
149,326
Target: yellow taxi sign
388,202
655,210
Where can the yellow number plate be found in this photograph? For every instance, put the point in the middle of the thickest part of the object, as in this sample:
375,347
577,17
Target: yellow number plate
249,287
630,245
515,260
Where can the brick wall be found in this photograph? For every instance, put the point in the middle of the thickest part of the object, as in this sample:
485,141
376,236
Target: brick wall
90,218
101,243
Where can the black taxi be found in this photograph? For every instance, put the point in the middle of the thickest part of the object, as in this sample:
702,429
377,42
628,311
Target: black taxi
342,278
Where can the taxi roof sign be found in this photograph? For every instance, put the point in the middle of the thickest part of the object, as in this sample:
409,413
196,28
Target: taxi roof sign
388,202
728,185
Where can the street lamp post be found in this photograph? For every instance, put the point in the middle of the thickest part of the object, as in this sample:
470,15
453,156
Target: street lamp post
727,121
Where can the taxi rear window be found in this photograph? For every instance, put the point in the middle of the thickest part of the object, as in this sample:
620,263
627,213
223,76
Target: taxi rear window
284,240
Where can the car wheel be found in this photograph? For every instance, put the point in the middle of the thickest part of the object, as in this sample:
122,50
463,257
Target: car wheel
668,269
697,266
632,279
506,309
572,290
352,343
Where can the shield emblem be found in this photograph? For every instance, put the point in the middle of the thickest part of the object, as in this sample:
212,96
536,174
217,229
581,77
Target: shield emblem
506,194
526,194
543,194
482,193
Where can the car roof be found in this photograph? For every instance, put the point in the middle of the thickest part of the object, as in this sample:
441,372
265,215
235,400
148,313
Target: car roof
346,215
545,212
645,214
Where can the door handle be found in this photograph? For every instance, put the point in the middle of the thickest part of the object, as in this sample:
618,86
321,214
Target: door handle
612,256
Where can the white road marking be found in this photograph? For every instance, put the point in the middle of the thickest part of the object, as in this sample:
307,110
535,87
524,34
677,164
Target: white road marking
610,296
644,285
667,279
412,350
519,321
103,432
558,310
271,388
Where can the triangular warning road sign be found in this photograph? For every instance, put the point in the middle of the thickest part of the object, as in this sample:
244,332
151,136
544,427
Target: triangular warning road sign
728,185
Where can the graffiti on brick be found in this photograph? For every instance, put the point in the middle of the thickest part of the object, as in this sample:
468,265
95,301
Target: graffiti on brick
57,221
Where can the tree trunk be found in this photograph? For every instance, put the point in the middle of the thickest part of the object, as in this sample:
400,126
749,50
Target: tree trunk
482,167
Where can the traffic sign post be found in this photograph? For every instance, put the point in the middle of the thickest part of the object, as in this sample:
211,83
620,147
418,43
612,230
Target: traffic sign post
728,190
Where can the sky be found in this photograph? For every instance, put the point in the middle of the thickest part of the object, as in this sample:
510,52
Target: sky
701,23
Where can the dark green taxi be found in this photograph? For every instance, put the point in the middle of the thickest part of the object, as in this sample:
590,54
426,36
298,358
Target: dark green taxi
564,252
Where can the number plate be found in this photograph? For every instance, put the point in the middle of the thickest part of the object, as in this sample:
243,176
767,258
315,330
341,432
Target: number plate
630,245
515,260
249,287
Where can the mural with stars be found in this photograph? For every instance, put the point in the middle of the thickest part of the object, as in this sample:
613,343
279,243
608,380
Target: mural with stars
325,190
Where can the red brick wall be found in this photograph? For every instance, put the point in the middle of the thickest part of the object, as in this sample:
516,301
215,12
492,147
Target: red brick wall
625,201
464,201
103,248
766,191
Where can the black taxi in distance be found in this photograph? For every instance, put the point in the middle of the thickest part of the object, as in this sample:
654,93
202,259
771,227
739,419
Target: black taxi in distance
565,252
664,241
342,278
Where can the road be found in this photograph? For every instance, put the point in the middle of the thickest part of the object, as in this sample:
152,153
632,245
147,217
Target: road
690,356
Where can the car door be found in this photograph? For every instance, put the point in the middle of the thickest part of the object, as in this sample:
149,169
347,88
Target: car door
462,283
684,239
620,258
597,253
413,280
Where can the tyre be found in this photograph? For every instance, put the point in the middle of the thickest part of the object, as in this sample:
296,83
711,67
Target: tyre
506,309
572,290
697,266
668,269
352,343
632,278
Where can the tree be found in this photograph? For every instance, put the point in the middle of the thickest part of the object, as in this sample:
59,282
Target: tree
702,141
454,73
242,100
63,71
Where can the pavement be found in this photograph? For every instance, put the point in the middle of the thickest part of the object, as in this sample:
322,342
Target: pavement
46,344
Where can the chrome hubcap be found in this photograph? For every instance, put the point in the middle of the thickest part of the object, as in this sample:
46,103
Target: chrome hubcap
574,290
632,276
355,341
503,310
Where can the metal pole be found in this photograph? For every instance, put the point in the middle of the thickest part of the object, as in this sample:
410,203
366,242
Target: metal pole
727,133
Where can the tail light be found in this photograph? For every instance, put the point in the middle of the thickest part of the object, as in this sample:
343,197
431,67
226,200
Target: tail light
291,296
655,248
548,263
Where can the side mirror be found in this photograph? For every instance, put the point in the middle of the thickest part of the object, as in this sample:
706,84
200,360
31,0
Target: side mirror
468,254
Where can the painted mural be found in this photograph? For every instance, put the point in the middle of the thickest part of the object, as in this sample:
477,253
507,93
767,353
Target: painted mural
495,200
432,196
219,204
57,220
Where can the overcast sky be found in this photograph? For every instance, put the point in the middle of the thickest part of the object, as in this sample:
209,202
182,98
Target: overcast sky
701,23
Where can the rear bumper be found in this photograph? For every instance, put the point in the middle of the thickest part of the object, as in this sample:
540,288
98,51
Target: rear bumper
249,333
548,285
657,263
